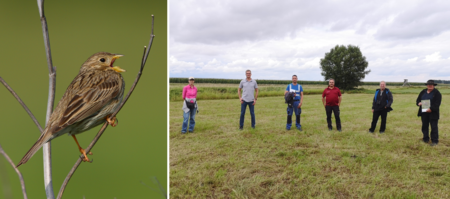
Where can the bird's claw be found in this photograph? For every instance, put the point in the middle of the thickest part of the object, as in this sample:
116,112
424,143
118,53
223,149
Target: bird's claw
112,121
86,159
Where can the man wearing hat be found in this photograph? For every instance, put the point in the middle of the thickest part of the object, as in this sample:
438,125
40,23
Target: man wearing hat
430,99
295,107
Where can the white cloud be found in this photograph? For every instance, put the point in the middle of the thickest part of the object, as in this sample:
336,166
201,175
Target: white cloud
413,59
433,57
276,39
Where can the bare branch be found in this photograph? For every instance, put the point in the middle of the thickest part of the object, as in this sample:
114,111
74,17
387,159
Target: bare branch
22,182
51,98
22,103
105,125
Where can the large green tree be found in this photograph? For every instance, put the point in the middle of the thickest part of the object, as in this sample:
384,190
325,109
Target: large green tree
346,65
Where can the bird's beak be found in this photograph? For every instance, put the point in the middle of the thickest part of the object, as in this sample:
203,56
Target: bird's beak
116,68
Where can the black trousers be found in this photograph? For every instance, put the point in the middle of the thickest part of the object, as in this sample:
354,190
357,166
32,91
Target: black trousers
335,110
426,121
376,115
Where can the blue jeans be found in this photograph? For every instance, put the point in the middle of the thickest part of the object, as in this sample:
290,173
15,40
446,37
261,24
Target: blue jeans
190,113
297,112
252,113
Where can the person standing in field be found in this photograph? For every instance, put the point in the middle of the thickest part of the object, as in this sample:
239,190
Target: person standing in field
331,99
429,114
189,106
295,107
249,89
381,105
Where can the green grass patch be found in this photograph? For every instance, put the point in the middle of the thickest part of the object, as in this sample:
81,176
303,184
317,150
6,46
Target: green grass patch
220,161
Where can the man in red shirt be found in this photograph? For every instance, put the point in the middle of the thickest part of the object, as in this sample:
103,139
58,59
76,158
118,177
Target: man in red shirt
331,99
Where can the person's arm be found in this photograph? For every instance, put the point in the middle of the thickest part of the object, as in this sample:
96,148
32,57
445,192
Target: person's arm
239,94
436,102
418,103
287,90
373,101
323,98
340,98
184,93
256,96
391,100
301,100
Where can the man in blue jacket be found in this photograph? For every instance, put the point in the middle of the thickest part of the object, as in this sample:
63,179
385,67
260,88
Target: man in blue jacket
381,105
297,104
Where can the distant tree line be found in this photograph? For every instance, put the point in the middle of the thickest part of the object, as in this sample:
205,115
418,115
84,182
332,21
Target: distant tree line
441,81
266,81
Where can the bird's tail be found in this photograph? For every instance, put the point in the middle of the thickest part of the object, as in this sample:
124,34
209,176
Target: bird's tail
41,141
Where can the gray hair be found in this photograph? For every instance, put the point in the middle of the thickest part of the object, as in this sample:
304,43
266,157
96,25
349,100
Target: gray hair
331,79
248,70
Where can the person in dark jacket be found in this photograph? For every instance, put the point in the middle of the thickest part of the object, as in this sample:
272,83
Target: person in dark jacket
381,105
430,115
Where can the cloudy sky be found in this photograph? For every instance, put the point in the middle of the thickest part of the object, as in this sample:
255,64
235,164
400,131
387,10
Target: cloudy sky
275,39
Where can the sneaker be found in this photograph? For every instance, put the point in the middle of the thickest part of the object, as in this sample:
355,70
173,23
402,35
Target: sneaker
433,144
191,131
339,130
370,131
288,129
421,140
253,127
241,128
299,128
183,132
381,131
330,129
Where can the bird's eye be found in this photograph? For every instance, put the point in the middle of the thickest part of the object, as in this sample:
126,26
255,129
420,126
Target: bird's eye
102,60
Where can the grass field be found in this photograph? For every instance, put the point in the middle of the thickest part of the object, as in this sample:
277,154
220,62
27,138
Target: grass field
220,161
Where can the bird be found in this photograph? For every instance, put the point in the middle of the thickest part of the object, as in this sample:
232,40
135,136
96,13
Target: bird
94,94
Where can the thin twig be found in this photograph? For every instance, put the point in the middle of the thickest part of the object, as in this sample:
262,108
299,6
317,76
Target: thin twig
22,103
22,182
156,181
51,98
105,125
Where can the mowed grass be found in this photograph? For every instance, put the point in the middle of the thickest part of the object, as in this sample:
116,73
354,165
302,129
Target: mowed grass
220,161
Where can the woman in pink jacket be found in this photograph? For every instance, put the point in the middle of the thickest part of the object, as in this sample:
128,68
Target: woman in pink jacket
189,106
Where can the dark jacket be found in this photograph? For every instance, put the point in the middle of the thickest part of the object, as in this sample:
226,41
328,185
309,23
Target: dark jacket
385,100
289,98
435,102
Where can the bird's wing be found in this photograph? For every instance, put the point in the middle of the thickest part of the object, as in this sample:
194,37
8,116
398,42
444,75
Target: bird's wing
90,96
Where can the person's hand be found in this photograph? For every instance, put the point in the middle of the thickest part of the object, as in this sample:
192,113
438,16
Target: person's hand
339,104
299,105
428,110
372,110
385,107
420,104
254,102
242,101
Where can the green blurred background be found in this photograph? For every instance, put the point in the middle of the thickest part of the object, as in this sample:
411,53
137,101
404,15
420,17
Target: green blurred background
135,150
